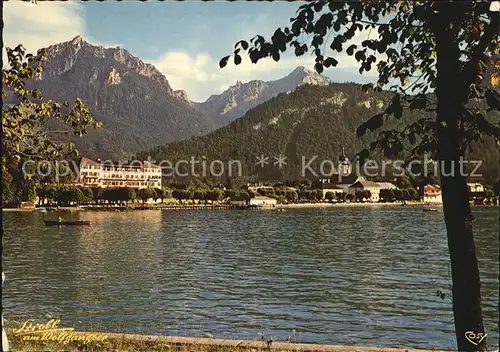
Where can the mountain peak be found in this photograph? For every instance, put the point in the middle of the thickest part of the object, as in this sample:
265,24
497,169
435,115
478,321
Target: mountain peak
239,98
132,98
63,56
77,40
307,76
182,95
302,69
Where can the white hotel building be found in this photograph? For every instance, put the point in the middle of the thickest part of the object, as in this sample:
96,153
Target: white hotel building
114,174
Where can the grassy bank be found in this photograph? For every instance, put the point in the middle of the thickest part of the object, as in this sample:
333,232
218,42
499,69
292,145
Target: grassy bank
143,343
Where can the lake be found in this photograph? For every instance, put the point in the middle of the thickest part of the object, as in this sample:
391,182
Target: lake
338,275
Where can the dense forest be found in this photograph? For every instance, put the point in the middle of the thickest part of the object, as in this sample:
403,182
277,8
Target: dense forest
310,121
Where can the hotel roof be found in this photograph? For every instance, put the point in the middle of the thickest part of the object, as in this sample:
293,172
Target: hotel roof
386,184
329,185
86,161
263,198
133,164
365,184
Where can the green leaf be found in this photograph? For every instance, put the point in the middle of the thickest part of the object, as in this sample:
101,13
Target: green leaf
318,67
361,130
350,49
492,99
363,155
419,102
223,61
237,59
375,122
495,79
366,87
330,62
243,44
360,55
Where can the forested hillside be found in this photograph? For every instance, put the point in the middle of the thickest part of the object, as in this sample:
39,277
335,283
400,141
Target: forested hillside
233,103
310,121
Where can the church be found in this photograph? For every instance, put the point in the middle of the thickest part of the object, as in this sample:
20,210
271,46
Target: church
345,181
342,179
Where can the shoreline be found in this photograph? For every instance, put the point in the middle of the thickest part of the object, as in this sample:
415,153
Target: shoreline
353,204
159,207
215,207
136,342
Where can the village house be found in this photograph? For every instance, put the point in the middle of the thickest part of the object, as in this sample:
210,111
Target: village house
118,174
262,201
341,179
337,185
348,180
475,187
373,187
255,187
259,201
326,186
238,200
432,194
344,181
387,185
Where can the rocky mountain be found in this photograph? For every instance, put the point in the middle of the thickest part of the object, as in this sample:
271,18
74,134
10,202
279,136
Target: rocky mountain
133,99
308,126
241,97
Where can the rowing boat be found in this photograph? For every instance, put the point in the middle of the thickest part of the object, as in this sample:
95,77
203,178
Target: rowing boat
65,223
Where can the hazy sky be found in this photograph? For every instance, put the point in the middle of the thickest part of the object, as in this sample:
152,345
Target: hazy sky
184,40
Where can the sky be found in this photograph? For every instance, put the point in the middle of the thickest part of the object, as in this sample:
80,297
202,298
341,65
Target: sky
184,40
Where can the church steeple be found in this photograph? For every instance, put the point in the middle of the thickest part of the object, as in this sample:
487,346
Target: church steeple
344,164
343,157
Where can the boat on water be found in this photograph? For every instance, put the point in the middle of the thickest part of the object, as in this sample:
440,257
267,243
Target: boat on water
433,210
65,223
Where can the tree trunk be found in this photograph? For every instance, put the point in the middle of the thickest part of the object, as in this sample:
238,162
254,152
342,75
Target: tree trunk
452,95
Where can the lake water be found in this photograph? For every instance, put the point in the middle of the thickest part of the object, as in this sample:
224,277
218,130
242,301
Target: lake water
340,275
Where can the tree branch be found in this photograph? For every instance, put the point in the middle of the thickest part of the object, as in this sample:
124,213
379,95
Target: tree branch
469,71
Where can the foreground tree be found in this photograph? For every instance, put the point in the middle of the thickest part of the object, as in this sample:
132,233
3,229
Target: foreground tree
26,114
67,194
28,122
444,47
146,193
215,195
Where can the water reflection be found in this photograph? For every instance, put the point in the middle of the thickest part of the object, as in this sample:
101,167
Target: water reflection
350,275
